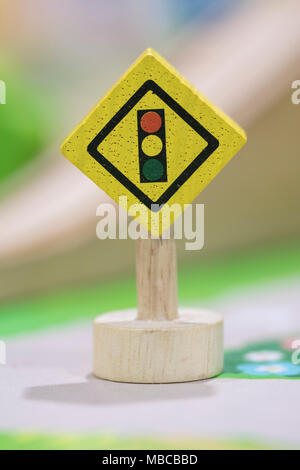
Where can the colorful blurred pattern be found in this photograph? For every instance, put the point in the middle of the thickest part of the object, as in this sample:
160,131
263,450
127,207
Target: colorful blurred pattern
25,123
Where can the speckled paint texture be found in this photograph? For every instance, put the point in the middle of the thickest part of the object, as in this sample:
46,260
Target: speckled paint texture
199,141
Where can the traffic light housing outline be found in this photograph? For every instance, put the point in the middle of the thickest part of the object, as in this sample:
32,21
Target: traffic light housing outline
161,156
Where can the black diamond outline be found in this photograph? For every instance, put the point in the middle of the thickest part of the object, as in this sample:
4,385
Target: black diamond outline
212,145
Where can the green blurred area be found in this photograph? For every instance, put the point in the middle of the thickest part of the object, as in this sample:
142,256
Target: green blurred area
24,120
39,441
196,284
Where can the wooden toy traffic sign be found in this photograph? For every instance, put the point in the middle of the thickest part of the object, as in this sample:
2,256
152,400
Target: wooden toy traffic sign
158,141
155,139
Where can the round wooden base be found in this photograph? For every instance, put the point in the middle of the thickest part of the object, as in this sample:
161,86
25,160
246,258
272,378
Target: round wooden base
142,351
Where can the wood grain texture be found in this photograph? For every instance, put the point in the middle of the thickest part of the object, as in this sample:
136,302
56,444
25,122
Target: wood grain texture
156,270
130,350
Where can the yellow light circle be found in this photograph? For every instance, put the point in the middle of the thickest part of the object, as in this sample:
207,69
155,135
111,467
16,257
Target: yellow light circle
152,145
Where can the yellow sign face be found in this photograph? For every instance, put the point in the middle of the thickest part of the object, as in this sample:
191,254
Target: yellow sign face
155,139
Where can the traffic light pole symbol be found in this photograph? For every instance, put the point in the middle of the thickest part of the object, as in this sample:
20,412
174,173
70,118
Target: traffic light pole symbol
152,145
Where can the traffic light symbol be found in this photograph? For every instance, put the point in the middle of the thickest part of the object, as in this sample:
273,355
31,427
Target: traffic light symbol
152,145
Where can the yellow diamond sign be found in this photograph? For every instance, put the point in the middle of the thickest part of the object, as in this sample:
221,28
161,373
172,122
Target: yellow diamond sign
155,139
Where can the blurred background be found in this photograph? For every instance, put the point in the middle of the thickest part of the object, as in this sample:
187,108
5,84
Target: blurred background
58,58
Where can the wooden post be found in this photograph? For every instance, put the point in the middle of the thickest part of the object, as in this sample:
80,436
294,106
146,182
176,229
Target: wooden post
156,279
155,343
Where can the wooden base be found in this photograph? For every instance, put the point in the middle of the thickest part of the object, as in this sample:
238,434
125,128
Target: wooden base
145,351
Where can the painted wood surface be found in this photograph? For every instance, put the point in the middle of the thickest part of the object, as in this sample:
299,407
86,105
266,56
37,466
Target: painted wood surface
155,139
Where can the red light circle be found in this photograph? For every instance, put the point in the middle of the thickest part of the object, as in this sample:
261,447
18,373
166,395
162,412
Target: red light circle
151,122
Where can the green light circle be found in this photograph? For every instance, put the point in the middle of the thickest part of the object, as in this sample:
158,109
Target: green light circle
153,170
